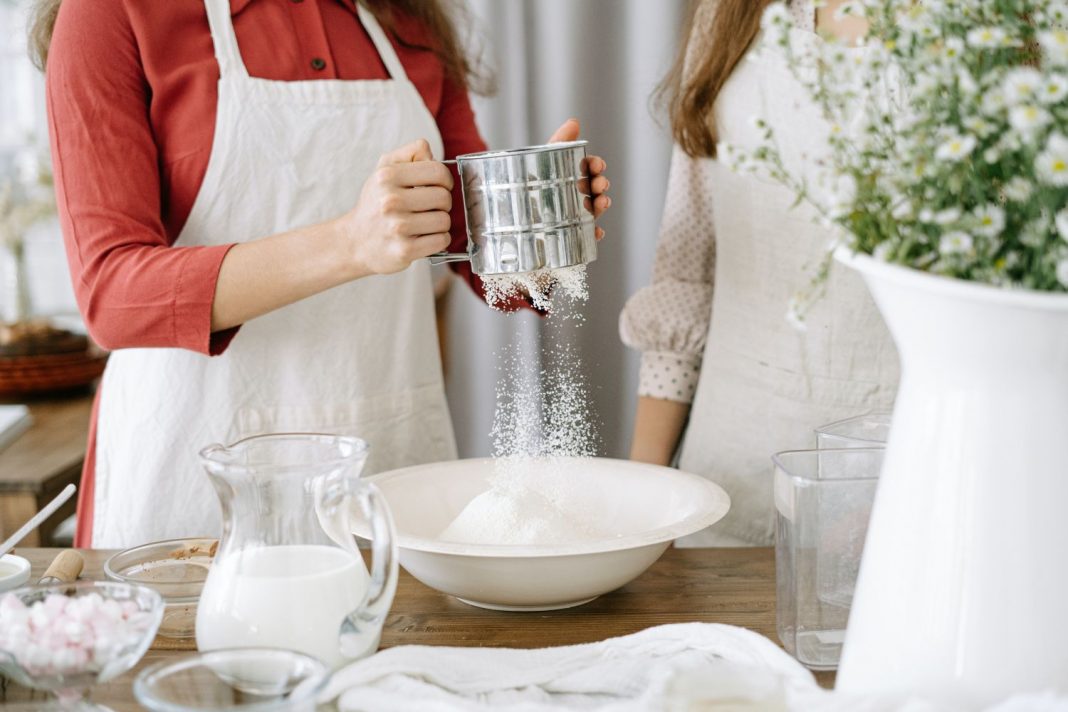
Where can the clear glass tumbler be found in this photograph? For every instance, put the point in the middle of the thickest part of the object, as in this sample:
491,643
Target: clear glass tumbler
823,501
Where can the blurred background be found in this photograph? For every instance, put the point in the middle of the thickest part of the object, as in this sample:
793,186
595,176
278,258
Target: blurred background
597,60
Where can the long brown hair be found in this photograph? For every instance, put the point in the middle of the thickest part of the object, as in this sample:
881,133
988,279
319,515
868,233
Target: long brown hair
441,18
720,34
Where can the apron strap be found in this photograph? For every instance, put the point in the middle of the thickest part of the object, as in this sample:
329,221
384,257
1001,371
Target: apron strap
382,43
227,53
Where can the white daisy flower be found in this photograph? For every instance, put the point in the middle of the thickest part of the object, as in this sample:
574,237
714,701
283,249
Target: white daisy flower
1061,221
978,126
967,83
1018,189
1054,45
947,216
882,251
955,243
903,211
993,102
1028,118
956,148
987,37
1052,163
953,48
1022,85
990,220
1054,88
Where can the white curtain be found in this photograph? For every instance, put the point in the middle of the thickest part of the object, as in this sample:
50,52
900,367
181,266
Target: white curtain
598,61
23,123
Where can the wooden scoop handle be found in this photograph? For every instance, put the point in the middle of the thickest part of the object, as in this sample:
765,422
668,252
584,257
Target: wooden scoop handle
65,568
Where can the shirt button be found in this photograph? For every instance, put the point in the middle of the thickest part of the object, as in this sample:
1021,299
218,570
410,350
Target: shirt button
318,64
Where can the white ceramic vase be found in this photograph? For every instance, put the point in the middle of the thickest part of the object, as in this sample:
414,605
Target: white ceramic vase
963,589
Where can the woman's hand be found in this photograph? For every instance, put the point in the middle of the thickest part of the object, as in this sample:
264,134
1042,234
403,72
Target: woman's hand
597,186
402,214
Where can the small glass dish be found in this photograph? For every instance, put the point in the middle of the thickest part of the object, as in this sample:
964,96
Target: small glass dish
176,569
106,628
244,679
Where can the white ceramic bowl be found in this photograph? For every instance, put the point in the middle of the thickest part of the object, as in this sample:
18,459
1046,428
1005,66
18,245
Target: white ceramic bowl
645,508
14,572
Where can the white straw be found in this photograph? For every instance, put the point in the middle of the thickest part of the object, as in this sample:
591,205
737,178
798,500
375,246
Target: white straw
37,519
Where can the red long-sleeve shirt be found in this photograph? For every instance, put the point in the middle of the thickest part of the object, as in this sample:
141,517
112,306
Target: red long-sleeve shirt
132,98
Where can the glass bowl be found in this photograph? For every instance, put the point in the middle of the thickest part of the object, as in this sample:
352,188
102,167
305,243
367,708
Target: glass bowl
244,679
106,628
176,569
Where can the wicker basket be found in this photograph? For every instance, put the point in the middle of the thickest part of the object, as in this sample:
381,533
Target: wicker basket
44,373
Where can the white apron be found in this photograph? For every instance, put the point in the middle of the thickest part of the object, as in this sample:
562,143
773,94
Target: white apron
764,385
360,359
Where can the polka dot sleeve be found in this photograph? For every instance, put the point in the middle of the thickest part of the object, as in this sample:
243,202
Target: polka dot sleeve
668,320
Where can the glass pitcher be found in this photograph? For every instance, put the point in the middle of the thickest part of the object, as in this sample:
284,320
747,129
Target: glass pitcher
288,573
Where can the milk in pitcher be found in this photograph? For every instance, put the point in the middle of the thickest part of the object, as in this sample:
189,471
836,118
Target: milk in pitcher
294,597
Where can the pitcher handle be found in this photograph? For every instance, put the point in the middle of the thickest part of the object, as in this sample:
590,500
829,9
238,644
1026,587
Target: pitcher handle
384,565
362,629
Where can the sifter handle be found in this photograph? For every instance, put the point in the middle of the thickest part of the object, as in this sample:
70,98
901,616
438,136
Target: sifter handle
65,568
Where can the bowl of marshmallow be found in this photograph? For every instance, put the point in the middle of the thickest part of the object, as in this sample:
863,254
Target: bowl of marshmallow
537,534
68,637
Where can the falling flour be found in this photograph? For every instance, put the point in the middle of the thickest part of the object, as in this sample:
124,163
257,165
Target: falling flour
543,421
540,285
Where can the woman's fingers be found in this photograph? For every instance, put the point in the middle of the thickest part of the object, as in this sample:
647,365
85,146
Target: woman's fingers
600,185
418,173
568,131
597,205
426,245
409,152
429,223
423,198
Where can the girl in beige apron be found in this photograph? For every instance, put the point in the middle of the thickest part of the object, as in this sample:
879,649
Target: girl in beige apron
361,358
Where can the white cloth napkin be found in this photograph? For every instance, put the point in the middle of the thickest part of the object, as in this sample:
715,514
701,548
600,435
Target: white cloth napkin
690,667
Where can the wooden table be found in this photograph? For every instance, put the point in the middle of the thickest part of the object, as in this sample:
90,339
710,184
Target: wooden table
41,462
735,586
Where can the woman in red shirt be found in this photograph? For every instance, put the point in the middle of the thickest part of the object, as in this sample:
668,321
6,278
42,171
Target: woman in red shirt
246,190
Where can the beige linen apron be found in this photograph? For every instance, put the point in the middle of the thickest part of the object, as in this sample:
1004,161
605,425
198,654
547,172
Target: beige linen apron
764,385
360,359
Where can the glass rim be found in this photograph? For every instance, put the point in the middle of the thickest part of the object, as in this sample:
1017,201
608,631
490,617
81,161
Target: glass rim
64,589
166,589
144,695
780,465
222,457
824,430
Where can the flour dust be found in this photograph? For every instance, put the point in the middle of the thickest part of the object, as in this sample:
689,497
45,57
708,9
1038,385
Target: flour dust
542,286
543,420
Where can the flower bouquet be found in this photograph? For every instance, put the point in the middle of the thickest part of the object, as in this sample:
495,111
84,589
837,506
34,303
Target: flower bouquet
942,176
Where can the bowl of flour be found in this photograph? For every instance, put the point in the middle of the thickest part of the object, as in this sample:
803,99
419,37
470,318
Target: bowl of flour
537,534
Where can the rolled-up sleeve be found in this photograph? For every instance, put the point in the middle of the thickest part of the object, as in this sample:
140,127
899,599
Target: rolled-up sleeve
133,288
668,320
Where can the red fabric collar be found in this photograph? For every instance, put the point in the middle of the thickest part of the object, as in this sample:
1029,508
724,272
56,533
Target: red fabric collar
237,6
